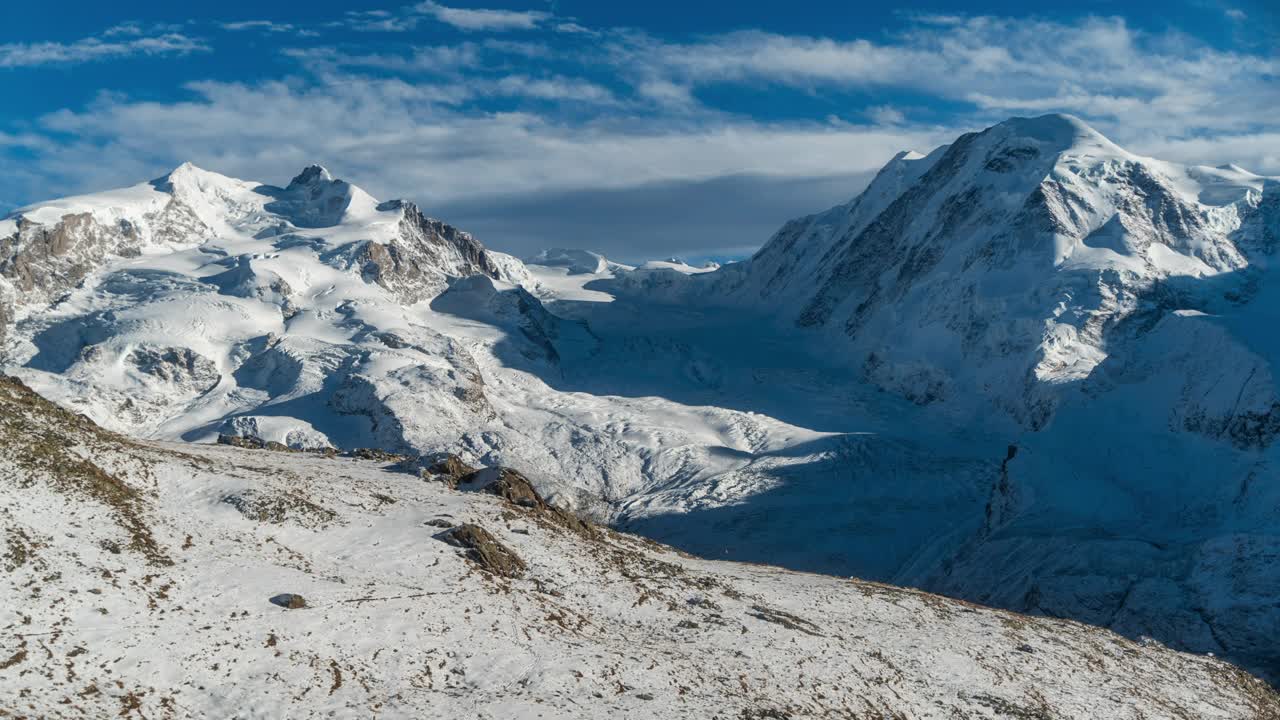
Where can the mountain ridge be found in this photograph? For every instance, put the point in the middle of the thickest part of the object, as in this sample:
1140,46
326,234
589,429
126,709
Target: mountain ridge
856,384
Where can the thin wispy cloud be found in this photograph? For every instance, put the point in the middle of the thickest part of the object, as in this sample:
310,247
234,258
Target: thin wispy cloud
267,26
477,20
20,55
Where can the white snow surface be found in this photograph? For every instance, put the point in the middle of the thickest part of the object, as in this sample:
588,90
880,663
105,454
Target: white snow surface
140,577
1028,369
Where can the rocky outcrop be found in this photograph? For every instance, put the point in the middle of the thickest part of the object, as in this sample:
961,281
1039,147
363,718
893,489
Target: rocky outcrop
485,551
425,254
41,262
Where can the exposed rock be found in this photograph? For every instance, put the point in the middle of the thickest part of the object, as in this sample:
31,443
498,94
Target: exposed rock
376,455
180,367
248,443
485,550
506,483
289,601
447,468
516,489
451,466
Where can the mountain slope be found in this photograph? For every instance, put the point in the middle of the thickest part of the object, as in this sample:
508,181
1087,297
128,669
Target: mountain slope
1035,287
156,580
1003,269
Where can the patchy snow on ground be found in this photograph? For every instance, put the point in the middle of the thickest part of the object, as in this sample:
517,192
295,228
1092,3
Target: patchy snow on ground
145,579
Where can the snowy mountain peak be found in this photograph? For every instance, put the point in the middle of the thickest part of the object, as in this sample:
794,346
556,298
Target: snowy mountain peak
311,175
1056,129
188,177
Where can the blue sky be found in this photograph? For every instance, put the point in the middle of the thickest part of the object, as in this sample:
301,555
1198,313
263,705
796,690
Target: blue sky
639,129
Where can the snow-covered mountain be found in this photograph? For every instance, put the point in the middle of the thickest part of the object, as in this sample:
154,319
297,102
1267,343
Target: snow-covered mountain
147,579
1029,368
997,270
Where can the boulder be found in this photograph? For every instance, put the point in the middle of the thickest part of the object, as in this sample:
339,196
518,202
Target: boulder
289,601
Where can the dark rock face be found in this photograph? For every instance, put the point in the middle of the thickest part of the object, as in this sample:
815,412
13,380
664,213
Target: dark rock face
484,550
418,264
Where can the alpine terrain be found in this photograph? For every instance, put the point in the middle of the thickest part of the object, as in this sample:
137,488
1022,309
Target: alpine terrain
1028,369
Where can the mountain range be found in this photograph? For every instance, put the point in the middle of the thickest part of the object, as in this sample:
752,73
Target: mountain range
1028,369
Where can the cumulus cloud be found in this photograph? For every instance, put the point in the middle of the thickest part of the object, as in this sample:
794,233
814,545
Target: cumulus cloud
19,55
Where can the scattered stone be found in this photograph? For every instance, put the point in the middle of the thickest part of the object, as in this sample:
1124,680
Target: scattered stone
289,601
484,550
278,508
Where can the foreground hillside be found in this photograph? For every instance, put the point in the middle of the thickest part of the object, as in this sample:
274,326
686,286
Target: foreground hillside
155,580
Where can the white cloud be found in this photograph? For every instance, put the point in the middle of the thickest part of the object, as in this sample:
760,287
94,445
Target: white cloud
262,25
14,55
1236,14
131,28
1097,67
552,88
393,137
492,20
378,21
